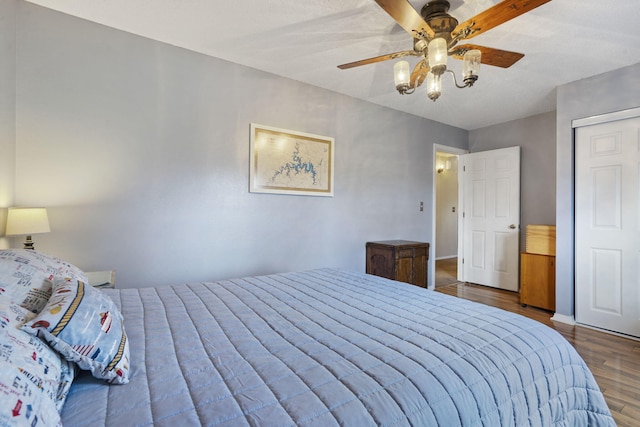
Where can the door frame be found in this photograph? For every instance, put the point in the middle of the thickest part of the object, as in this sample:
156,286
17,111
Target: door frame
439,148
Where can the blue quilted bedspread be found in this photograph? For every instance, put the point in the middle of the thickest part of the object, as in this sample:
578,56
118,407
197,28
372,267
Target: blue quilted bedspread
328,347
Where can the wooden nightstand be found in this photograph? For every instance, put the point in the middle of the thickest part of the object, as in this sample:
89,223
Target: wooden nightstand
102,279
400,260
538,280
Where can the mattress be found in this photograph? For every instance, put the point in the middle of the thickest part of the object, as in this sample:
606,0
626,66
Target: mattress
329,347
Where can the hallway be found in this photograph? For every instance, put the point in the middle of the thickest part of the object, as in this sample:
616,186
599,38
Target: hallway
446,271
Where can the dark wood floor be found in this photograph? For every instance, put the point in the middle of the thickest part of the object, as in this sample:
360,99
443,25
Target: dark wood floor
614,361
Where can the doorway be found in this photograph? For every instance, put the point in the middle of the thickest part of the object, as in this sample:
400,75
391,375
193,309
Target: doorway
445,215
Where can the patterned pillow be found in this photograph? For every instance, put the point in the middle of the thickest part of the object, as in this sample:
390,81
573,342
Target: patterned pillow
85,326
34,379
25,276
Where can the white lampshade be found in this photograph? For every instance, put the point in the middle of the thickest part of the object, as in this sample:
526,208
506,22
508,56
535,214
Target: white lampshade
401,73
437,55
27,221
434,86
471,62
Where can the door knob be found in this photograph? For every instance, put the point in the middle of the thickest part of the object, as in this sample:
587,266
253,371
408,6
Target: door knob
512,226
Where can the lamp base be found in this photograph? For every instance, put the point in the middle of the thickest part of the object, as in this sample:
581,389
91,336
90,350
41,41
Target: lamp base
28,243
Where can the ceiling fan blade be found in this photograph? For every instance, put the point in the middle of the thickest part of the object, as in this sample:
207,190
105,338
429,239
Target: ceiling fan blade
490,56
494,16
407,17
419,73
378,59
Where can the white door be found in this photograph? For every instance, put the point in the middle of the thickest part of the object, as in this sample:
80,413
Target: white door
491,217
607,221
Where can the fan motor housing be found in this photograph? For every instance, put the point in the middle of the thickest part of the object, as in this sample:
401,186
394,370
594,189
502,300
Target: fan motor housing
435,13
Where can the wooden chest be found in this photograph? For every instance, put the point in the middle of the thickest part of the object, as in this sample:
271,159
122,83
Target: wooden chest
401,260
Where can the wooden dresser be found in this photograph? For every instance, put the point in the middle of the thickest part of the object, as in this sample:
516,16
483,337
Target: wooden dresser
400,260
538,267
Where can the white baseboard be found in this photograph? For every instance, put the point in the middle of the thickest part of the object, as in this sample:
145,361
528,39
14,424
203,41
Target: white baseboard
446,257
569,320
606,331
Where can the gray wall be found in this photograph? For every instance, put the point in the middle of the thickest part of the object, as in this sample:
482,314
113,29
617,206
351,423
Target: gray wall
536,135
7,110
605,93
140,151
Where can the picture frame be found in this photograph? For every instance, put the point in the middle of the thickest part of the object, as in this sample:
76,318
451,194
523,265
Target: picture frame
284,161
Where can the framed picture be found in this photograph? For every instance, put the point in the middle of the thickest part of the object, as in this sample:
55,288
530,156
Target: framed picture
289,162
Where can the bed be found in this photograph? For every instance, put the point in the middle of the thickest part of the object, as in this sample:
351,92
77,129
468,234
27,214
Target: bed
330,347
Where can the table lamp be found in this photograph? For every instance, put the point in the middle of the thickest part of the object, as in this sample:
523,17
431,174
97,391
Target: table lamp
27,221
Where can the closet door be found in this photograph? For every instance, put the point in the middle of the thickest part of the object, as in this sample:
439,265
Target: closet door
607,221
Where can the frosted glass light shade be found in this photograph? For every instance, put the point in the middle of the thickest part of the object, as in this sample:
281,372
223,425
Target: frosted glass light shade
437,55
471,64
434,86
27,221
401,73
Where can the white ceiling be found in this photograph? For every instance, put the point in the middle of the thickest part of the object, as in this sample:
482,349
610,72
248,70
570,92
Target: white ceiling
562,40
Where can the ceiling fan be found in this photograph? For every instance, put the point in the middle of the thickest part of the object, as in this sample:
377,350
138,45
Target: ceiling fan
435,37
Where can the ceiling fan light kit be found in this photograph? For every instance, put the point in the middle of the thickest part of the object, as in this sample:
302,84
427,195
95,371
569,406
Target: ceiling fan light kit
434,86
471,66
437,54
402,76
437,67
435,37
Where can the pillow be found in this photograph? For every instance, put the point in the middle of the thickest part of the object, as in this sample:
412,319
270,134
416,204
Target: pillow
25,276
34,379
85,326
